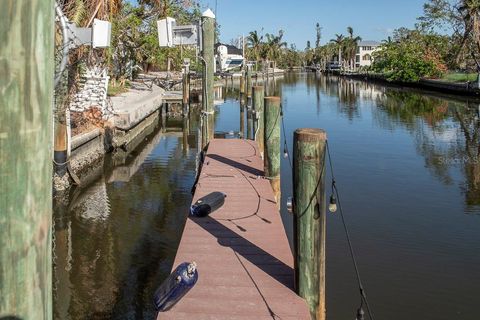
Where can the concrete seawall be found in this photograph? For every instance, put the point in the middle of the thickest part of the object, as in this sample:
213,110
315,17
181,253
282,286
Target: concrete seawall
135,114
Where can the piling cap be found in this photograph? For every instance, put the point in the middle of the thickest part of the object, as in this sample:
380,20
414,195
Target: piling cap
208,14
310,134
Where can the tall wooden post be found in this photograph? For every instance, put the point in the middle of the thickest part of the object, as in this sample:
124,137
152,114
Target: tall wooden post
249,81
272,143
208,35
258,107
185,133
242,84
309,217
249,120
242,117
248,94
186,87
26,103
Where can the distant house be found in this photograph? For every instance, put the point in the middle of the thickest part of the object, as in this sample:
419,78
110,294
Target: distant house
365,50
227,57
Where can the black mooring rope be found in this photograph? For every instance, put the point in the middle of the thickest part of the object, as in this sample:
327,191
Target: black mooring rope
285,145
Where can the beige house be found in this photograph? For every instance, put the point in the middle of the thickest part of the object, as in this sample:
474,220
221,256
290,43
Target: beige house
365,50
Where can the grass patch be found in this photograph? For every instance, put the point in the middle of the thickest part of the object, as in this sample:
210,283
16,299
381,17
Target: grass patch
460,77
115,88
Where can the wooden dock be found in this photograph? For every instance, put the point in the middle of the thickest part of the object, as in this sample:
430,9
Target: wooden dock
244,260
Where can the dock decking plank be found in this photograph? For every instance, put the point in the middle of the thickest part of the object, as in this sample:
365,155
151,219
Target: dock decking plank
244,260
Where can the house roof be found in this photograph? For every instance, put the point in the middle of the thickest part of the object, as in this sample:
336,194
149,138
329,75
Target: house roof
230,49
368,43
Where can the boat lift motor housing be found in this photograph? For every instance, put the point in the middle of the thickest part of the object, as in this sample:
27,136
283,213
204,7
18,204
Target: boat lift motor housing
178,283
208,204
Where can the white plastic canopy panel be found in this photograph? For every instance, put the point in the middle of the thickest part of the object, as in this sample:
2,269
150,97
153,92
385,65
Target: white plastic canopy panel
101,33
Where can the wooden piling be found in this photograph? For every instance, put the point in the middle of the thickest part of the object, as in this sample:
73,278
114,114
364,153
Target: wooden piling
208,36
242,117
61,128
60,145
242,83
249,120
272,142
185,133
185,90
26,100
309,218
258,107
249,81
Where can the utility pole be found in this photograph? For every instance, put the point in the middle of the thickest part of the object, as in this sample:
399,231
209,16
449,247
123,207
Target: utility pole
26,83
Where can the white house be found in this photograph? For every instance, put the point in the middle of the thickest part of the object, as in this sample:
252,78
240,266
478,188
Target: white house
365,49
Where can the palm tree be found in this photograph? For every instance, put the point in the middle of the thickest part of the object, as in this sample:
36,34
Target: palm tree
388,40
274,45
255,41
351,46
82,12
340,43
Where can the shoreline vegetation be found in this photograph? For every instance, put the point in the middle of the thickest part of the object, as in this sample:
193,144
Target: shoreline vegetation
442,45
458,87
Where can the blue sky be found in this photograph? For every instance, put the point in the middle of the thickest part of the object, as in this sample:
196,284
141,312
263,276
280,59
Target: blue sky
371,19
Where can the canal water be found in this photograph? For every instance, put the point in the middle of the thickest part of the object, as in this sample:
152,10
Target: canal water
407,164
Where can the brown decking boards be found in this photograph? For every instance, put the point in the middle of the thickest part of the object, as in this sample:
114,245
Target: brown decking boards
244,260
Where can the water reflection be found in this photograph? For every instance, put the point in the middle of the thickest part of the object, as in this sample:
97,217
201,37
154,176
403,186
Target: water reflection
446,134
446,130
115,240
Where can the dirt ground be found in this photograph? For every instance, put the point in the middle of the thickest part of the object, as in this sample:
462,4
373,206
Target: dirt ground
86,121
